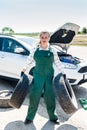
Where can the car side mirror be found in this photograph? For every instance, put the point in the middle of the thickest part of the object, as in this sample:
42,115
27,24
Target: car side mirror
19,50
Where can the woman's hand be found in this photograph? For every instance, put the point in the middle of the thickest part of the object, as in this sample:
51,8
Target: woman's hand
22,73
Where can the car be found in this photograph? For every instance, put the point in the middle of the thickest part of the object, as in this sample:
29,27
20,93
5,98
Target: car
15,50
74,67
13,54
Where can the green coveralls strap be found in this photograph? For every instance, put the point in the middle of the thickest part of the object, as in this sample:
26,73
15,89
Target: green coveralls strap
43,76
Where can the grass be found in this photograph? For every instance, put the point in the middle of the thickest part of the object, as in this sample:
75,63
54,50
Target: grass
80,40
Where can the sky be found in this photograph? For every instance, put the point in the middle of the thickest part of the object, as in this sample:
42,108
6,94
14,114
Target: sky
27,16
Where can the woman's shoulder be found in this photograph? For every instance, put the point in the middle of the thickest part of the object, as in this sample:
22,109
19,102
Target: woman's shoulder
34,48
52,49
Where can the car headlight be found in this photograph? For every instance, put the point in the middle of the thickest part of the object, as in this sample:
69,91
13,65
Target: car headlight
69,66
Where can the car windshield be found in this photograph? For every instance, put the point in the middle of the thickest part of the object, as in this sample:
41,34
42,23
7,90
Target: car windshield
30,40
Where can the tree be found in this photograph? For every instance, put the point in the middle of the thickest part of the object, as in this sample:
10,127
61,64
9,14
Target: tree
7,30
84,30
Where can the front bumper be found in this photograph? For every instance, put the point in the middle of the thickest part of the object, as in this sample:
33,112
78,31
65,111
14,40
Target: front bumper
78,81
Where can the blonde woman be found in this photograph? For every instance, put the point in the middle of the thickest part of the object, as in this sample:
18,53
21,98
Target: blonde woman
44,57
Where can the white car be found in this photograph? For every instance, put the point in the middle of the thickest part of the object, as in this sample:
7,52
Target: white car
14,52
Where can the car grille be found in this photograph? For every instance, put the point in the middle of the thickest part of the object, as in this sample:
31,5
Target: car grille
83,69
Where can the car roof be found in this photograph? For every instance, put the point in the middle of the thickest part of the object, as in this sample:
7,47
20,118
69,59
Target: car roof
30,40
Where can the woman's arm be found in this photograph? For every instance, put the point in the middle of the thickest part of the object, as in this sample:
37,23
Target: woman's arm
57,61
29,61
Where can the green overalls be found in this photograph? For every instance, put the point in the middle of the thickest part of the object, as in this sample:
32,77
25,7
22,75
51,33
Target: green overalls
43,76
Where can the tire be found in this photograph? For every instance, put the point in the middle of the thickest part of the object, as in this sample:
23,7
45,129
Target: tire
20,92
5,96
31,71
65,94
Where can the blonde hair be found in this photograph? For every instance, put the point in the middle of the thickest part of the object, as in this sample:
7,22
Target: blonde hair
44,32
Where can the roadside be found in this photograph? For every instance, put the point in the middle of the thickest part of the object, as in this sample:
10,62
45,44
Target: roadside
80,40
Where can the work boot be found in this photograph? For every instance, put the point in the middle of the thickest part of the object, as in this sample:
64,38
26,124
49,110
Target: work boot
27,121
56,121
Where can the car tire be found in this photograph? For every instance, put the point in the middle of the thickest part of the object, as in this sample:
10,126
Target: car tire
5,96
31,71
65,94
20,92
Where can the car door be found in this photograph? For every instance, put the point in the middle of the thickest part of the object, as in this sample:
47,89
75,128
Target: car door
11,62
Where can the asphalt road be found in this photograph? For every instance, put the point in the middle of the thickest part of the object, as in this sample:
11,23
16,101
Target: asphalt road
12,119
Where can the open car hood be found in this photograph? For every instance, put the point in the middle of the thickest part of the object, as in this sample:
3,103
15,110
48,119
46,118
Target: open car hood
64,35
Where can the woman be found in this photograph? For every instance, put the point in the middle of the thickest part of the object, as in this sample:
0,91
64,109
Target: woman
44,57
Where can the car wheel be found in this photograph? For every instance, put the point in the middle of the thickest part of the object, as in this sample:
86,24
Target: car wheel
65,94
20,92
5,96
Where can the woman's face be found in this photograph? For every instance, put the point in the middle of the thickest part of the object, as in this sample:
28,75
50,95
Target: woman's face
44,38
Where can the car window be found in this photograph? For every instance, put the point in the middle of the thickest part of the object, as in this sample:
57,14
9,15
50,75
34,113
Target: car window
5,45
1,41
9,45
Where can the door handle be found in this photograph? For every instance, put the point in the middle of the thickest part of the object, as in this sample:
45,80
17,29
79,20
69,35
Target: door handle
2,56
